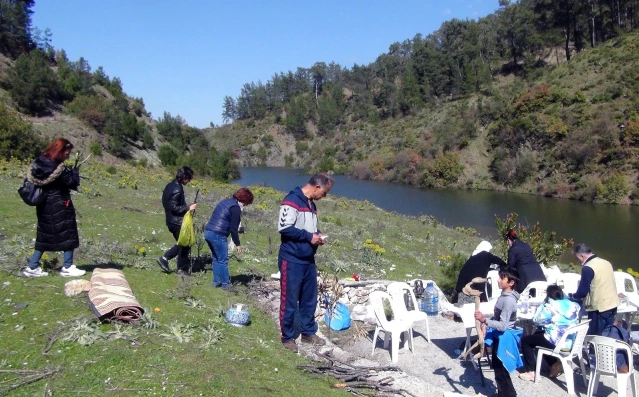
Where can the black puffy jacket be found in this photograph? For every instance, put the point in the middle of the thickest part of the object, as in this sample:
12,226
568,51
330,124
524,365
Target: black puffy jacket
57,227
522,259
174,205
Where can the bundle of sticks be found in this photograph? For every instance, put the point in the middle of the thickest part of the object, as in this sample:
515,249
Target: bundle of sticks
353,377
468,290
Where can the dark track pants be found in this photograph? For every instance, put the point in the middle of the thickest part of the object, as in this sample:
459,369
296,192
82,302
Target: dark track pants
298,283
505,386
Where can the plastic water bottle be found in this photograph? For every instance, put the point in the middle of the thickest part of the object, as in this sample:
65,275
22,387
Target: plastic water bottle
431,300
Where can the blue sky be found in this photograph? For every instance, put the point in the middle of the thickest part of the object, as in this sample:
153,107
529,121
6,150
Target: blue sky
185,56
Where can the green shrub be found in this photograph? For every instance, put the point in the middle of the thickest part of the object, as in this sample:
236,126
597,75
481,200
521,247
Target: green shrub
32,82
612,189
450,272
168,155
17,138
543,243
111,170
95,148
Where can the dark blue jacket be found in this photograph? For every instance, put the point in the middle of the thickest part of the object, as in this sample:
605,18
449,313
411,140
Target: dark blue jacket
225,219
297,224
522,259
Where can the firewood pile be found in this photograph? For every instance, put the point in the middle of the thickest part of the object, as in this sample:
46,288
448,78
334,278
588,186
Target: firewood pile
357,380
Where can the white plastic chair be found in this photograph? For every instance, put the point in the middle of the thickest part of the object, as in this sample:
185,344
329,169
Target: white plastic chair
397,291
492,279
570,282
539,289
565,357
606,364
627,286
392,328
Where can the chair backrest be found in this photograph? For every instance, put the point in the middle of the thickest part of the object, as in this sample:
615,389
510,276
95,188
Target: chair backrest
492,279
577,333
536,291
397,290
570,281
625,283
376,298
606,353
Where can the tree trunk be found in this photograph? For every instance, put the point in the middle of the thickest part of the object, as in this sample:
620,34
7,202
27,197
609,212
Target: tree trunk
567,31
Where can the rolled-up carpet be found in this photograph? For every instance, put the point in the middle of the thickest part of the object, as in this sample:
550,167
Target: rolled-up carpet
111,298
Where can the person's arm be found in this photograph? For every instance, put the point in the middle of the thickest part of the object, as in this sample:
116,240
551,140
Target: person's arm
543,316
511,257
504,321
175,203
587,274
234,224
286,225
494,259
71,178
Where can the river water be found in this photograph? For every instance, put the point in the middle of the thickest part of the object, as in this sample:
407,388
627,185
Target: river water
612,231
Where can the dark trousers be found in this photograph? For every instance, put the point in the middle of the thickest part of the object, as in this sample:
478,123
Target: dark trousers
600,320
505,386
182,253
528,344
298,285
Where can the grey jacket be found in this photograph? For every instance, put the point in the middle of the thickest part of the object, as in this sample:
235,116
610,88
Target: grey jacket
505,311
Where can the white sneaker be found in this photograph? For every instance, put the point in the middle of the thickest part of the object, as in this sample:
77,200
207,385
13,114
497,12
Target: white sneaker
72,271
33,273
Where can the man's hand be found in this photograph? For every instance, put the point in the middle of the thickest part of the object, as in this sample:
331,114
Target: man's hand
479,316
317,240
192,206
239,249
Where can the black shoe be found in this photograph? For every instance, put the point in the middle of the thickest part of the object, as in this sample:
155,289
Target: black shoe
183,273
230,288
164,264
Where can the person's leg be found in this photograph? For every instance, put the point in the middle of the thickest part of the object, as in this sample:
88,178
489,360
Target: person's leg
290,285
308,301
175,250
209,237
68,258
505,386
221,275
605,319
593,316
529,344
34,262
183,262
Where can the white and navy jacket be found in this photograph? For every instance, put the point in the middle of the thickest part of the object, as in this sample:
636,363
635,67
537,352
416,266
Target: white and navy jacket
297,223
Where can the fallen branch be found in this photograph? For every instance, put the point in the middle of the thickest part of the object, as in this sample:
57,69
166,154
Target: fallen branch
32,376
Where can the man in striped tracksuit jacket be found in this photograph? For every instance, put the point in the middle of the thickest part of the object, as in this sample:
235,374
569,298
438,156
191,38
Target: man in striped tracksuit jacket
297,225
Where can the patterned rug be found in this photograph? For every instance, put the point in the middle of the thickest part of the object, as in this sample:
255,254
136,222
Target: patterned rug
111,298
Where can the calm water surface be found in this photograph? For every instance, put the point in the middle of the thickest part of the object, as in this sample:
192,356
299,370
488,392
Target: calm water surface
611,230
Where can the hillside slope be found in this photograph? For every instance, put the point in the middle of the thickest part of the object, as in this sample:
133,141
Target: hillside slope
568,130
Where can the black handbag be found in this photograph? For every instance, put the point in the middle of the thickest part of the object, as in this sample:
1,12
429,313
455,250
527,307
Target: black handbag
31,194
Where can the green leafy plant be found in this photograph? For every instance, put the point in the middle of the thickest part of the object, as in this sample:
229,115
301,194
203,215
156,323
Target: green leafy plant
181,333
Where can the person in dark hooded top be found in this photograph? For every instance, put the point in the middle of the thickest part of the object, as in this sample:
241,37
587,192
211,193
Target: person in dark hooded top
522,259
478,265
57,226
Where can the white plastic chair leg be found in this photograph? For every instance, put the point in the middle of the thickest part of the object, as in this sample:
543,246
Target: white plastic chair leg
622,384
570,376
540,356
387,336
633,384
591,384
394,348
595,385
375,340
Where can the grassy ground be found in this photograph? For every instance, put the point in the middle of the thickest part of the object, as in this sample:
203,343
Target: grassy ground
184,347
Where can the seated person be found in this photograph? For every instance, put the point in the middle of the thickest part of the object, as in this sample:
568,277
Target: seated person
477,265
554,315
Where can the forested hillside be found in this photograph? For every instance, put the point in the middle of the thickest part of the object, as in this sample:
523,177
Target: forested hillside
541,97
43,94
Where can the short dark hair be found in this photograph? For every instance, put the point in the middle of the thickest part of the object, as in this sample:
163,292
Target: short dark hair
579,249
184,174
244,196
511,235
510,274
554,292
321,179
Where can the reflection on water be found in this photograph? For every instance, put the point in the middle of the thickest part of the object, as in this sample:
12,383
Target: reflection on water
611,230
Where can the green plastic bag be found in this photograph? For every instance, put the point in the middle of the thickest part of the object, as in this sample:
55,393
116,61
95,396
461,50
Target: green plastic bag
187,234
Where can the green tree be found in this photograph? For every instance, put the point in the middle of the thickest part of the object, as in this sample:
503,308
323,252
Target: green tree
15,26
229,112
17,138
296,113
32,82
167,155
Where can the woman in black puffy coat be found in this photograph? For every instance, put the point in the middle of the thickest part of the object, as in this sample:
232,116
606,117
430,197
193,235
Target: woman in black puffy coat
522,259
57,227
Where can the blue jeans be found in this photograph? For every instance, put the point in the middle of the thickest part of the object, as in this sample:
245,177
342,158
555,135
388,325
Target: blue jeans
37,255
220,258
